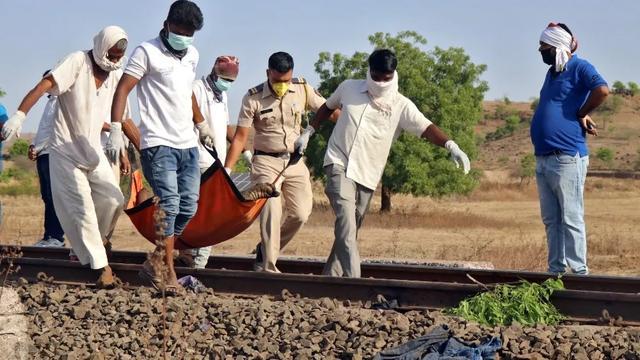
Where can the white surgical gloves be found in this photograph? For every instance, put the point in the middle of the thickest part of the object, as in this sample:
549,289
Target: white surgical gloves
300,145
458,156
205,133
13,126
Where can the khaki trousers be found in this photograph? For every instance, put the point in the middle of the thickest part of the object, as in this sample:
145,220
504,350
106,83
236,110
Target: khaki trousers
88,204
277,228
350,202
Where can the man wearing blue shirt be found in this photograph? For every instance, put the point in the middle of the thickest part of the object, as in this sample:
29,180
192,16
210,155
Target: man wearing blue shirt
3,119
572,89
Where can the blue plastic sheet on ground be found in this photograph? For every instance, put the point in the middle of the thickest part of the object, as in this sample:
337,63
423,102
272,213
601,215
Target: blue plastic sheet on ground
191,283
439,344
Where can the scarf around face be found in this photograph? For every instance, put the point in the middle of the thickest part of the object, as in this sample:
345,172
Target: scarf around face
563,42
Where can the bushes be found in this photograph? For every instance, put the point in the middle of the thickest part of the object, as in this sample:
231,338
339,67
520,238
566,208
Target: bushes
605,155
19,148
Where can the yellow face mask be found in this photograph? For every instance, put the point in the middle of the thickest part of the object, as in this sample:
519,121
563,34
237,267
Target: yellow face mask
280,88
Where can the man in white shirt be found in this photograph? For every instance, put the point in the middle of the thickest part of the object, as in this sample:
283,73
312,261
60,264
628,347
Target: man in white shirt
87,200
163,69
373,115
211,96
39,152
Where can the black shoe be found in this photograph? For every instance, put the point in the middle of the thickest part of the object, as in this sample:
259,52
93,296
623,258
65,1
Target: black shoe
258,252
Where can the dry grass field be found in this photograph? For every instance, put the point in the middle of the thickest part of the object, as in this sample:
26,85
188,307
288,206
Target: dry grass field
499,223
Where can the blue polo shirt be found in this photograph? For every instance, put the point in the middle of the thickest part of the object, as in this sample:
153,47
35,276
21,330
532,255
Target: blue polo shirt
3,119
555,125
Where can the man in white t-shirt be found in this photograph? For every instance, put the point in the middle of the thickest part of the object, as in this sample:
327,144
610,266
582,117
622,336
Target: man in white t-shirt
373,115
211,96
87,200
163,69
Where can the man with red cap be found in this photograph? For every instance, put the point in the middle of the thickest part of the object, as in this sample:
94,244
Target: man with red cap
211,95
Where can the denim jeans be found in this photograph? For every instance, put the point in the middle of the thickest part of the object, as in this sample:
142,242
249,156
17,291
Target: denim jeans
52,227
560,180
174,176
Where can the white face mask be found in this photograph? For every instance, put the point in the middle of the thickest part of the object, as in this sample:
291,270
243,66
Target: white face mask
107,65
105,40
379,89
383,93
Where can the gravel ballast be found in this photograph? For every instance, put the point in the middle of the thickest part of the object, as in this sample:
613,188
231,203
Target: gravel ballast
83,323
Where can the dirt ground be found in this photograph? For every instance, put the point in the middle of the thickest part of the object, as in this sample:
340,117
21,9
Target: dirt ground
499,223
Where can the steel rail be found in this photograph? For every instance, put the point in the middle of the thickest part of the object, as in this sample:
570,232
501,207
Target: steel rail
618,284
576,304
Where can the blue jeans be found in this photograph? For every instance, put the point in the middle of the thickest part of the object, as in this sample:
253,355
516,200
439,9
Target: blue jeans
560,180
174,176
52,227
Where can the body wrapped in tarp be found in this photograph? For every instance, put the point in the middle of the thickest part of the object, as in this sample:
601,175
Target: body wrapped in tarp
222,212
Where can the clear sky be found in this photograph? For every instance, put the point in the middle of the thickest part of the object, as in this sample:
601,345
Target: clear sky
503,34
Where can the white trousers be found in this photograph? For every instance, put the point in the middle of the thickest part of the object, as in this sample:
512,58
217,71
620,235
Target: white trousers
88,204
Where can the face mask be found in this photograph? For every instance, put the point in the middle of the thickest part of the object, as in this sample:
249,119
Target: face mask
105,64
548,57
280,88
222,84
179,42
379,89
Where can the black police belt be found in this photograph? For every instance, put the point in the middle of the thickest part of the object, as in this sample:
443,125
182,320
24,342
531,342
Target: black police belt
283,154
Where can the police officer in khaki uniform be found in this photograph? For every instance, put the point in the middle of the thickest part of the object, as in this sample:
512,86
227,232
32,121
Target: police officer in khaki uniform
275,109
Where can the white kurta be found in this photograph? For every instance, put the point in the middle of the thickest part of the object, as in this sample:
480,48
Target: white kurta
86,197
216,114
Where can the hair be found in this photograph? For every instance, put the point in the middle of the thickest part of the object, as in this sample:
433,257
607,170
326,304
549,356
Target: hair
383,61
281,62
122,44
185,13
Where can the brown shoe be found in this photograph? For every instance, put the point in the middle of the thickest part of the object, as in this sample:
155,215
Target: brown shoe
184,259
106,279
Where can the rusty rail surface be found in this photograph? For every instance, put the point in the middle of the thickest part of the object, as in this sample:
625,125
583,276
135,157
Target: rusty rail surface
577,304
616,284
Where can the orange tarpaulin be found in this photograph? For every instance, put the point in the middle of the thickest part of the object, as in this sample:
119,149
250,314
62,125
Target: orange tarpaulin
222,211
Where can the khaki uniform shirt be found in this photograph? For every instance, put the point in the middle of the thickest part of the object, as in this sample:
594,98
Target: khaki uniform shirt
277,121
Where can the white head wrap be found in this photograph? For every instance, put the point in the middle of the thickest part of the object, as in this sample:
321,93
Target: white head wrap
105,40
382,93
563,42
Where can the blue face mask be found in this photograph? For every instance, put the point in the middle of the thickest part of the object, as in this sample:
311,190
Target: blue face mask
179,42
222,84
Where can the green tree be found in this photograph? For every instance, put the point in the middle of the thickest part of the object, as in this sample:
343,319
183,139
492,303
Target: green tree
619,87
444,84
2,93
19,148
634,89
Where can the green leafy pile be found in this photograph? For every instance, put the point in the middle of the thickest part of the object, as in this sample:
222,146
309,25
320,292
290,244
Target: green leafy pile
526,303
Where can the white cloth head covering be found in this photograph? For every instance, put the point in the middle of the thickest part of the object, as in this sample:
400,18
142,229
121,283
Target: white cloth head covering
104,41
559,38
382,93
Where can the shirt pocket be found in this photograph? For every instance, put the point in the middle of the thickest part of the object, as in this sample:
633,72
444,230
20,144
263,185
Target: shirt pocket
562,88
378,124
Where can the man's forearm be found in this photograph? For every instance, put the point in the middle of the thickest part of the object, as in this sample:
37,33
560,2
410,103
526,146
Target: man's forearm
434,135
595,99
237,145
322,114
35,94
131,131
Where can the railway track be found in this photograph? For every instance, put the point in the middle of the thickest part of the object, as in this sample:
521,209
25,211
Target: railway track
426,289
383,271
